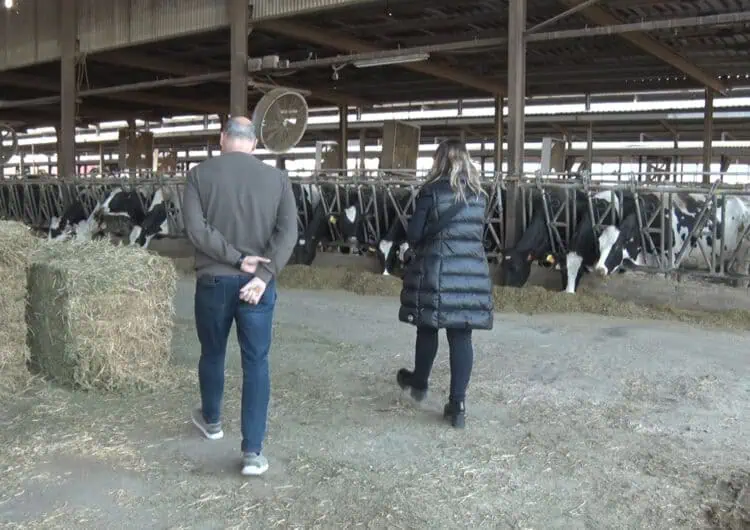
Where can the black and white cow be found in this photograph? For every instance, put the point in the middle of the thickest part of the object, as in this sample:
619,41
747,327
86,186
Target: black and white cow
393,246
164,203
583,247
312,223
352,222
622,244
377,210
535,244
131,204
86,216
77,220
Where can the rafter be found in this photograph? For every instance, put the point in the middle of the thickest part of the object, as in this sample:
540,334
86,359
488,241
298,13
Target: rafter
344,43
33,82
168,66
651,46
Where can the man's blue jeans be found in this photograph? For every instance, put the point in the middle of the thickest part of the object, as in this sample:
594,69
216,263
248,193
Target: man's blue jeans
217,305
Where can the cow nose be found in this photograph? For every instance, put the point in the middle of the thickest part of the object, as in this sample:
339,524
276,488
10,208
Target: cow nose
601,270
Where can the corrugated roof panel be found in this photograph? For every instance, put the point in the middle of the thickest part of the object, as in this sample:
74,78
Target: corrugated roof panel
265,9
28,32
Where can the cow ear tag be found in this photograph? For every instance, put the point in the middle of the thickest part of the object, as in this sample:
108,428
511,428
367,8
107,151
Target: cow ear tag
332,219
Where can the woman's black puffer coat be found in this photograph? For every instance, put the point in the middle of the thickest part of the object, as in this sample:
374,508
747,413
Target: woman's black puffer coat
447,281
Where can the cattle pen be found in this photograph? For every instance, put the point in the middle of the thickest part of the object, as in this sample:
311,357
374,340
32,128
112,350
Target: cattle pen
35,201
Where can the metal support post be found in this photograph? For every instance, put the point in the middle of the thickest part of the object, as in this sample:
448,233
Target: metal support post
343,137
362,151
708,135
498,134
516,101
239,15
66,158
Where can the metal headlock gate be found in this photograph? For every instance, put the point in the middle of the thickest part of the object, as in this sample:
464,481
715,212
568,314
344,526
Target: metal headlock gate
555,196
34,201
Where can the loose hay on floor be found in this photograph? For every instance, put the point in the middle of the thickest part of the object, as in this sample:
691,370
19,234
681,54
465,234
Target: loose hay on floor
16,244
528,300
100,316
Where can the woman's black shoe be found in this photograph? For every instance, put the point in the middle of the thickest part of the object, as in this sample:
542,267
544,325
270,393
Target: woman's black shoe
455,411
405,380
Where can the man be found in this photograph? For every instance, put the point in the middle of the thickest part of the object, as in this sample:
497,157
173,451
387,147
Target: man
241,217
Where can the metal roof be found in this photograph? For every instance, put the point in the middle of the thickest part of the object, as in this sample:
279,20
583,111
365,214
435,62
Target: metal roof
602,63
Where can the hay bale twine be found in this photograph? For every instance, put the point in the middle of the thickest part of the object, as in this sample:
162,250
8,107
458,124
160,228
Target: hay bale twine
100,316
17,243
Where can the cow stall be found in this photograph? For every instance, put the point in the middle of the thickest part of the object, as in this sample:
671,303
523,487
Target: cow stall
681,229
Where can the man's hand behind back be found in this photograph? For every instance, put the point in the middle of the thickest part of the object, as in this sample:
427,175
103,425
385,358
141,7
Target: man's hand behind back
250,263
253,291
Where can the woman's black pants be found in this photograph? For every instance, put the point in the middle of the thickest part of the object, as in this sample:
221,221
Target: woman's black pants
461,358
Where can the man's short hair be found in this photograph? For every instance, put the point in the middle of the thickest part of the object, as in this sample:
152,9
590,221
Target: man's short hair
237,129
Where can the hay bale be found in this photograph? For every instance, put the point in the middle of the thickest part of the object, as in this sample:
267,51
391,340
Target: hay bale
17,243
100,316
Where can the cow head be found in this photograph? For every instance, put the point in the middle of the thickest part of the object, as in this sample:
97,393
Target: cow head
349,223
618,244
156,223
58,230
515,267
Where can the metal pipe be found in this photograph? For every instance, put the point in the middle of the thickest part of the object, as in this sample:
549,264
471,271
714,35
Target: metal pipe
564,14
647,25
133,87
345,59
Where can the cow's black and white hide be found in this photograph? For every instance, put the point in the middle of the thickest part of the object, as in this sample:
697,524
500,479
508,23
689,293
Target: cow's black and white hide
622,244
534,244
583,247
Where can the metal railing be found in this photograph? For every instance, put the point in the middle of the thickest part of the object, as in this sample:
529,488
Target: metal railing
34,201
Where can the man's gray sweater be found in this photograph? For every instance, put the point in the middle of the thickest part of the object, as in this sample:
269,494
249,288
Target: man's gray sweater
236,205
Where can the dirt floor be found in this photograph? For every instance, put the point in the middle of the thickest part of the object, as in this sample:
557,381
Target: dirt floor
575,421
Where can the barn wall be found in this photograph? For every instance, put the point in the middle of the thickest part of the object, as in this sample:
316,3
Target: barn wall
29,32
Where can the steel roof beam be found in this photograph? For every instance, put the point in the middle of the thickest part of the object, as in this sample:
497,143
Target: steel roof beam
347,44
738,17
565,14
652,46
33,82
168,66
336,60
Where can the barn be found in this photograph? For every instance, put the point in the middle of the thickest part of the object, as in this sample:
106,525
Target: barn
612,142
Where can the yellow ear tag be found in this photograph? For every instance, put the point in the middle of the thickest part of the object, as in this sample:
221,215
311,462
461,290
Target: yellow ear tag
550,259
332,219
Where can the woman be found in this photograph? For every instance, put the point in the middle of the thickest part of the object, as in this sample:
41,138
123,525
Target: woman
447,280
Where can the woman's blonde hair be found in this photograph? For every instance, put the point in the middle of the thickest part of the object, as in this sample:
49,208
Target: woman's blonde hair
452,160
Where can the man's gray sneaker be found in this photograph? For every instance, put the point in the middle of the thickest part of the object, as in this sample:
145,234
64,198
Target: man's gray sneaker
212,431
254,464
